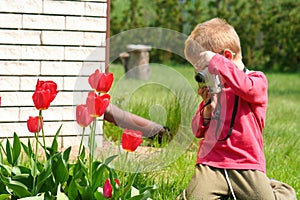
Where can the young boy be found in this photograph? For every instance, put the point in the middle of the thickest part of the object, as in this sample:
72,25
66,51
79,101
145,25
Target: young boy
230,160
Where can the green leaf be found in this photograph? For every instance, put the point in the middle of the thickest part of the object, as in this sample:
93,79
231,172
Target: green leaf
66,154
143,196
28,148
25,148
130,181
9,154
16,149
82,153
24,169
16,170
139,195
97,175
134,191
60,169
54,146
85,191
108,160
60,195
83,167
72,190
5,170
44,175
98,195
3,189
4,196
18,188
1,156
150,188
33,167
33,198
23,175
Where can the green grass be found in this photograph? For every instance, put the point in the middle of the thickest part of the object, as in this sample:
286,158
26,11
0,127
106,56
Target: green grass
281,133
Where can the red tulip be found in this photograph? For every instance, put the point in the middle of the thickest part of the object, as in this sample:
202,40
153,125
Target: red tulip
83,117
44,94
131,140
101,82
97,104
35,124
117,182
107,189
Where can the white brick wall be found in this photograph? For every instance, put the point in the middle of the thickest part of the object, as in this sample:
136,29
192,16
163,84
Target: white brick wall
59,40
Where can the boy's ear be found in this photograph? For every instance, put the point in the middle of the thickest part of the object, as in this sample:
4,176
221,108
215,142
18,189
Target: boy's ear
228,54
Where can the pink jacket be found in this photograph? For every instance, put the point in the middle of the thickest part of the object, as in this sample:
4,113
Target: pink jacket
244,148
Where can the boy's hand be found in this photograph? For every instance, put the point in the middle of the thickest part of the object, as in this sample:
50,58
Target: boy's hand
204,93
203,61
206,96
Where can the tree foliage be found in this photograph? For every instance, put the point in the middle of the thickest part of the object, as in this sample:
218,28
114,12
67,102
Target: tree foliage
269,30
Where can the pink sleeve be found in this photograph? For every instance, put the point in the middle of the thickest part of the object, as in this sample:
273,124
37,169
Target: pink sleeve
197,123
252,86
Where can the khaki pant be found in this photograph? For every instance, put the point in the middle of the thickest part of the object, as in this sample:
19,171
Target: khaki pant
210,183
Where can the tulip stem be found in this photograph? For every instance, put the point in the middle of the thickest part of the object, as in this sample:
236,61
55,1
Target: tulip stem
81,141
92,146
35,161
43,133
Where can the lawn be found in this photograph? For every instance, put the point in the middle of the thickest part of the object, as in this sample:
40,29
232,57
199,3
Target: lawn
281,133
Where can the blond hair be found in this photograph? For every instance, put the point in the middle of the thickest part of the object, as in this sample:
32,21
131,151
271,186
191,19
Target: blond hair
214,35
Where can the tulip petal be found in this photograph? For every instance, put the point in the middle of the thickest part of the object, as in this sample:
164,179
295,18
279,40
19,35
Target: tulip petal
83,117
131,139
101,82
107,189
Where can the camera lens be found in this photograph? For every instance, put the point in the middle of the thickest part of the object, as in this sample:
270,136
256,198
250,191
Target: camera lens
199,78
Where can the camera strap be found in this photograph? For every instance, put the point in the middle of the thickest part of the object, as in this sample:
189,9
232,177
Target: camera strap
236,103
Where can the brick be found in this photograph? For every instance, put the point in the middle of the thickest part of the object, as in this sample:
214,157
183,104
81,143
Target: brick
68,112
9,83
78,69
85,23
9,114
76,83
25,112
42,52
10,20
90,67
62,38
10,52
94,39
16,98
51,114
23,6
24,98
85,53
19,37
79,97
95,9
64,7
44,22
20,68
8,129
29,83
63,98
60,68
